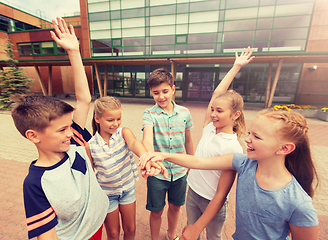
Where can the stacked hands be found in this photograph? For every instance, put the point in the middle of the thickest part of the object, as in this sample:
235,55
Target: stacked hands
151,165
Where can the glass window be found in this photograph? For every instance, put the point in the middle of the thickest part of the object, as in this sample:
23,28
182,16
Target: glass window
132,4
98,7
162,20
238,36
99,16
204,6
242,4
182,7
292,1
133,32
262,35
267,2
287,45
162,30
204,16
266,11
294,9
99,25
203,27
261,46
44,45
115,14
182,18
116,42
241,13
263,23
235,46
201,46
134,49
132,13
181,39
100,34
298,21
202,38
134,41
182,29
48,51
24,48
162,10
133,22
290,33
240,25
115,5
160,2
116,23
162,40
116,33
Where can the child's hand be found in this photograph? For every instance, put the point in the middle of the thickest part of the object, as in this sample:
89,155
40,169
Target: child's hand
153,169
149,156
244,58
64,37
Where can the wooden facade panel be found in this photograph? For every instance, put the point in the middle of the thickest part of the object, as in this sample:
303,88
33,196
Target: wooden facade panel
317,46
320,5
318,33
27,18
3,45
320,74
67,80
320,18
6,11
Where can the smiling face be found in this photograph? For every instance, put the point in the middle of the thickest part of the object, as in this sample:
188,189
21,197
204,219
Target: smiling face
262,140
108,122
222,117
163,95
55,139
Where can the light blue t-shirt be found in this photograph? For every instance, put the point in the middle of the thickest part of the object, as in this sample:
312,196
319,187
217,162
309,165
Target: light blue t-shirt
266,214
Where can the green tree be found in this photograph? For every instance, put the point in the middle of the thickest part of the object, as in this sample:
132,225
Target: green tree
13,81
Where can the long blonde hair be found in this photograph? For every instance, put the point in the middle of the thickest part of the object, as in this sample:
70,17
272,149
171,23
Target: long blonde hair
100,106
299,162
236,103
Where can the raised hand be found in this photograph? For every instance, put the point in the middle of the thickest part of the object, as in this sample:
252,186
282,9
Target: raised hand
64,36
244,58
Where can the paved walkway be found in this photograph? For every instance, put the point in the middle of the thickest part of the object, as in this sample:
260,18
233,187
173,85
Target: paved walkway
16,152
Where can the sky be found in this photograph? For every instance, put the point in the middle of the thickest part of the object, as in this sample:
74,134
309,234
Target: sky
48,9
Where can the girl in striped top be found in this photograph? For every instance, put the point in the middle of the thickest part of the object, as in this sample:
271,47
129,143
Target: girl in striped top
111,150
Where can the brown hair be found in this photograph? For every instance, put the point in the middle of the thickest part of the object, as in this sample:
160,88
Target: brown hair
236,104
100,106
159,76
299,162
36,112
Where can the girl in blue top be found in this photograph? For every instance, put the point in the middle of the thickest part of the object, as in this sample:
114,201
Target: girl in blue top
275,178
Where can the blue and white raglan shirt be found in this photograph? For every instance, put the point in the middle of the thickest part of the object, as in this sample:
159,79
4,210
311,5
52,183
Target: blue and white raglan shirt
66,195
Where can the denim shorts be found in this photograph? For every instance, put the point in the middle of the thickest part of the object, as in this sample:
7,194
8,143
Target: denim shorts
124,199
156,193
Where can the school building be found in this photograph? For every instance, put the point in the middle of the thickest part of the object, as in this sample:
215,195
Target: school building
123,41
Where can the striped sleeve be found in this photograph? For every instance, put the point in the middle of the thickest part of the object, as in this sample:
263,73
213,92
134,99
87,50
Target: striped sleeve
147,120
80,136
40,216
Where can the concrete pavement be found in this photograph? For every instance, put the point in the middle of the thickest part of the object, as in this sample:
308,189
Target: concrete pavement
16,153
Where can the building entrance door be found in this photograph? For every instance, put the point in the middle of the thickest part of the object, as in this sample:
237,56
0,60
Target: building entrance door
200,83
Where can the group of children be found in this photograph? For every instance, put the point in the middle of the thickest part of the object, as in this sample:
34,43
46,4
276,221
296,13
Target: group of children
80,182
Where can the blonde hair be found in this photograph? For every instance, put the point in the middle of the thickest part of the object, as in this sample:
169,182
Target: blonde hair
100,106
236,104
299,162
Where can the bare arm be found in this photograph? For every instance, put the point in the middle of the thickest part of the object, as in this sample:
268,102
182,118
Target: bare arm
49,235
135,146
87,149
304,233
188,143
147,139
66,38
191,232
243,59
223,162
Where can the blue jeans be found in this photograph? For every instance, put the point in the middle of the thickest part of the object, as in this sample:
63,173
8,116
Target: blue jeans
196,206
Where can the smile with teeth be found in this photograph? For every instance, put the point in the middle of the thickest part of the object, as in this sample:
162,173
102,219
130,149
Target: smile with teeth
250,149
